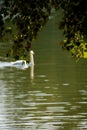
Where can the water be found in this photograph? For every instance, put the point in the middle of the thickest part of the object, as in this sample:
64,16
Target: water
56,99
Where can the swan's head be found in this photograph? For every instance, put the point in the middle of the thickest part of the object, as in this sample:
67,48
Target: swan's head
32,52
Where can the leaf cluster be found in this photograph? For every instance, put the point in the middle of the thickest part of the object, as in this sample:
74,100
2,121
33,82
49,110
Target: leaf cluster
74,25
28,16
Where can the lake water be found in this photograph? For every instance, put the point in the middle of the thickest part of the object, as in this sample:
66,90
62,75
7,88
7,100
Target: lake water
56,99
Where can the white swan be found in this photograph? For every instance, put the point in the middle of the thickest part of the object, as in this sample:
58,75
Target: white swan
22,64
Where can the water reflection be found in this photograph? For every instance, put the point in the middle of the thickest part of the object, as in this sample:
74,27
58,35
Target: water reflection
37,106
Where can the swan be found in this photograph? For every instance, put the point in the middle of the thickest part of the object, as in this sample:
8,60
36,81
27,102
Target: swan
22,64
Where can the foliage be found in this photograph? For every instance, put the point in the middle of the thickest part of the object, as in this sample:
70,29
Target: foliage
28,16
76,45
74,25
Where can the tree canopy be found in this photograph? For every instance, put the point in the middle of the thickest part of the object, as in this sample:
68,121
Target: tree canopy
28,16
74,25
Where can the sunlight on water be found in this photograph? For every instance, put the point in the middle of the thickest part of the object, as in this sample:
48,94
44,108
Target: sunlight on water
39,107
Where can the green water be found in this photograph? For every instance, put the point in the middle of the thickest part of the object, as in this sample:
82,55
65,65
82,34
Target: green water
56,99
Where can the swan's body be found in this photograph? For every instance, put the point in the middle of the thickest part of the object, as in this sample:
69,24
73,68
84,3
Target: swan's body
22,63
19,62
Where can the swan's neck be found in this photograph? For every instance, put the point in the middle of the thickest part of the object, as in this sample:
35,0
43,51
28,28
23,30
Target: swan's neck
32,66
31,59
